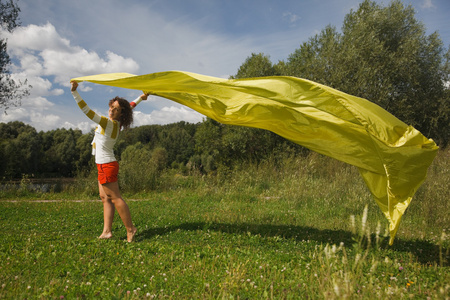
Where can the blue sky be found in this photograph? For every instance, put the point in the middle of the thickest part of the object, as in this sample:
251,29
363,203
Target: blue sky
60,40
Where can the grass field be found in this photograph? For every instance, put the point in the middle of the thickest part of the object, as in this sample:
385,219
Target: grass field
296,229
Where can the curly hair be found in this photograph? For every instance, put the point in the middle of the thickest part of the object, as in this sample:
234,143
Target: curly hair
126,115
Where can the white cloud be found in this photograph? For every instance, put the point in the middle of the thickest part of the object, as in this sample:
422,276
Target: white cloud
290,17
42,57
38,38
37,118
83,126
428,4
167,115
40,86
41,51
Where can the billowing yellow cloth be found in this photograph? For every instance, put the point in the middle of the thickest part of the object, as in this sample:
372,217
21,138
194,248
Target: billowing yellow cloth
392,157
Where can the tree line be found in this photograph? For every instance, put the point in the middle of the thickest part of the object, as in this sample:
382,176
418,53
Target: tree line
205,147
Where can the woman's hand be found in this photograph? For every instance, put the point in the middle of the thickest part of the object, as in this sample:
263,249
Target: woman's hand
144,96
74,86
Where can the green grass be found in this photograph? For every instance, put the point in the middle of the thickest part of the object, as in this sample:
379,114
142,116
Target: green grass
275,231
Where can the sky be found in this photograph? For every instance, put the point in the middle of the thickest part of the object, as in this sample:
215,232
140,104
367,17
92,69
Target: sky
59,40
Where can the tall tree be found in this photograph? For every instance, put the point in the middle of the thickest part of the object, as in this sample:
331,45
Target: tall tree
11,91
384,55
20,149
257,65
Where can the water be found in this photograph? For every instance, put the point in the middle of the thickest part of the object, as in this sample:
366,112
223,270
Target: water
42,185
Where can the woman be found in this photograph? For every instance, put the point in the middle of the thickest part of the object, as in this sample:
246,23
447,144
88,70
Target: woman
106,134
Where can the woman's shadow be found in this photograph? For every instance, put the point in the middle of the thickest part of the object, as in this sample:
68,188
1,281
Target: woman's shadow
425,252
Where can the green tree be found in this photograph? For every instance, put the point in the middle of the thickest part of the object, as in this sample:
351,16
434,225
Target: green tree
11,91
61,153
20,146
177,141
384,55
317,59
85,161
208,136
257,65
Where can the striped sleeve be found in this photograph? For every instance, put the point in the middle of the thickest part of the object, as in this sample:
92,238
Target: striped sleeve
135,102
108,127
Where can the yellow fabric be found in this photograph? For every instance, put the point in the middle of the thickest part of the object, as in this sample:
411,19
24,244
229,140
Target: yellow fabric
392,157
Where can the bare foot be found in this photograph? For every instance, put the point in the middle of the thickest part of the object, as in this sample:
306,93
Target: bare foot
105,235
130,234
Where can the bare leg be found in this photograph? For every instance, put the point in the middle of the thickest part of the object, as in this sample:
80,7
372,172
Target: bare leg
108,214
112,192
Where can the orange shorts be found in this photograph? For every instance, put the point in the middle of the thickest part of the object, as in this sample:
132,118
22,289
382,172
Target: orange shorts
108,172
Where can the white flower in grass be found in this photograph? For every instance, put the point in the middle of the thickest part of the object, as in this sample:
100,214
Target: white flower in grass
336,289
364,219
352,222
